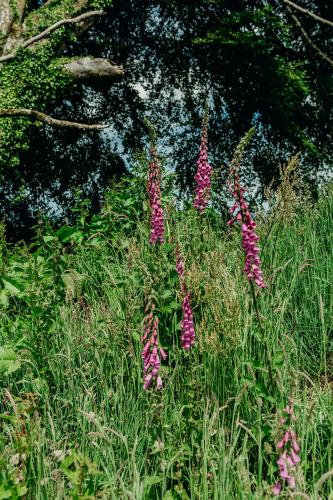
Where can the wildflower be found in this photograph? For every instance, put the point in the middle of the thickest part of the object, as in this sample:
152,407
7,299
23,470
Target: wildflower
188,332
204,171
241,214
187,324
155,199
151,353
277,489
289,458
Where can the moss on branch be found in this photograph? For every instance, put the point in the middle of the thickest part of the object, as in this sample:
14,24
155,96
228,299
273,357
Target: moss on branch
37,76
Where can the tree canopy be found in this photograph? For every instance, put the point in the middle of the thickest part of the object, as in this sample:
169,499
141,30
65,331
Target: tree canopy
263,63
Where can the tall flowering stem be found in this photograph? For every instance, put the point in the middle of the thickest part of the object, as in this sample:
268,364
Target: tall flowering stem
155,198
241,215
188,331
289,449
204,170
152,352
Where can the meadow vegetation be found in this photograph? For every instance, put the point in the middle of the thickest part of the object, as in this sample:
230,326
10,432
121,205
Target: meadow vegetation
75,419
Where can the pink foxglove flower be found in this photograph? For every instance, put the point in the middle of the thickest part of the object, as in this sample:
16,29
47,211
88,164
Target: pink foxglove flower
155,199
204,171
188,331
152,352
241,214
289,448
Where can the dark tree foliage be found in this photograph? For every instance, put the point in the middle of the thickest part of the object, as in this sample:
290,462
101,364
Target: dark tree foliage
247,57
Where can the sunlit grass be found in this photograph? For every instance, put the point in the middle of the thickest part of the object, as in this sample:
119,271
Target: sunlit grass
76,421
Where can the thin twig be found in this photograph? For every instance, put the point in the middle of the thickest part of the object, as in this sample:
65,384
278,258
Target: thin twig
51,29
42,117
309,13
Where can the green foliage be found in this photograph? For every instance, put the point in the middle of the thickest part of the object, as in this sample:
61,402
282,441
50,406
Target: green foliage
52,12
14,9
75,420
32,80
36,77
262,42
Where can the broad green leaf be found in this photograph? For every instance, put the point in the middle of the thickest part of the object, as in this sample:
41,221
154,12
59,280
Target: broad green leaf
65,233
136,336
6,492
151,480
128,202
13,286
8,361
47,239
21,491
168,495
4,300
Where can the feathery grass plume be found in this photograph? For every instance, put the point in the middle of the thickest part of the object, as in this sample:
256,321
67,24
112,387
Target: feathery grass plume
188,331
152,352
241,214
291,194
204,170
289,451
154,190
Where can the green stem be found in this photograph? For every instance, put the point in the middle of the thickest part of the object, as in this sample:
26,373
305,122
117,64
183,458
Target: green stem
262,333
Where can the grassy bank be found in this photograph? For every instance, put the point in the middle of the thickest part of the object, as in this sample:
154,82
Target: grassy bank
75,420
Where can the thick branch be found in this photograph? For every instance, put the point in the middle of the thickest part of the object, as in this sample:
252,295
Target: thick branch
42,117
60,23
309,13
308,39
51,29
88,68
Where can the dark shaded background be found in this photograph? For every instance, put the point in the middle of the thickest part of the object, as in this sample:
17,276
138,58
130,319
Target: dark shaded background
167,79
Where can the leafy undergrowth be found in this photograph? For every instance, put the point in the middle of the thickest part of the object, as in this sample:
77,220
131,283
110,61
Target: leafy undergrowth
75,419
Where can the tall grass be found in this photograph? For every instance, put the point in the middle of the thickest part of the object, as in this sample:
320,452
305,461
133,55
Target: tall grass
75,420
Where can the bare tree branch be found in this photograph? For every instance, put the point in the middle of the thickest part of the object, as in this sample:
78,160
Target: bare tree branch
51,29
42,117
309,13
307,38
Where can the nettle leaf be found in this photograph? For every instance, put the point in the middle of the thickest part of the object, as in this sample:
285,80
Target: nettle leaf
8,361
13,286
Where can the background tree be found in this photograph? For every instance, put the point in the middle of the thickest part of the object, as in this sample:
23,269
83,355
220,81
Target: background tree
250,58
34,72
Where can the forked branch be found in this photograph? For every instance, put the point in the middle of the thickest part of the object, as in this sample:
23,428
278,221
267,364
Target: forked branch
309,13
307,37
51,29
